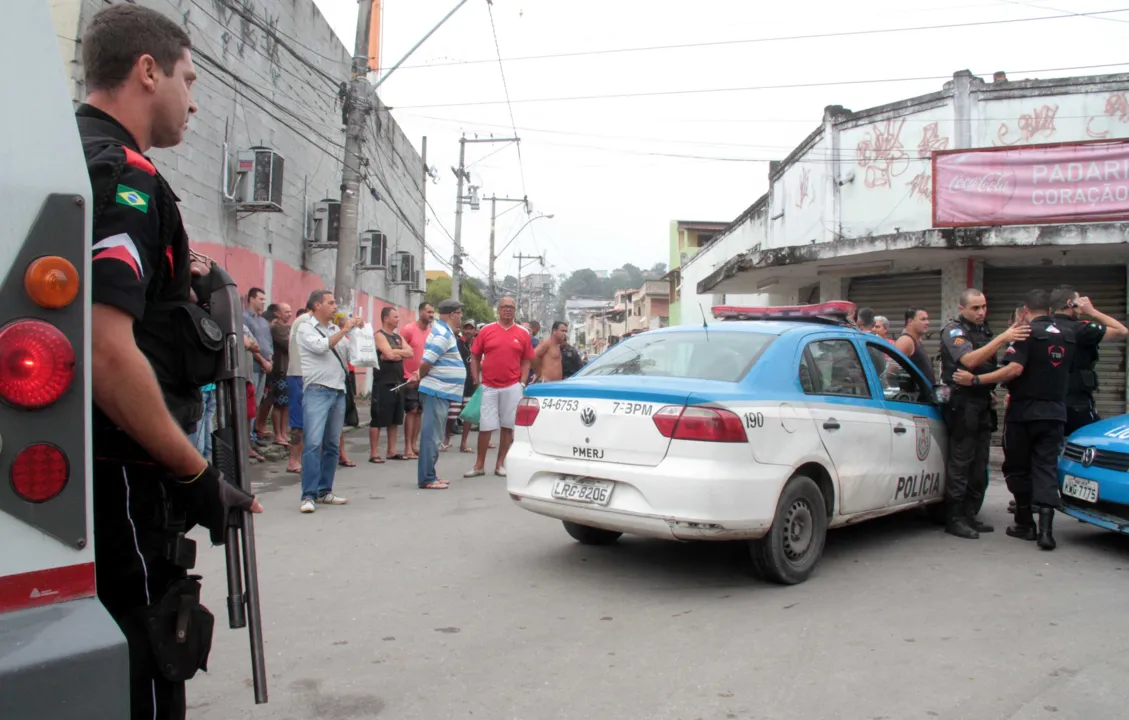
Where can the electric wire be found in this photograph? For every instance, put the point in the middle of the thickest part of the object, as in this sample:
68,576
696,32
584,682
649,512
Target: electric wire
780,38
751,88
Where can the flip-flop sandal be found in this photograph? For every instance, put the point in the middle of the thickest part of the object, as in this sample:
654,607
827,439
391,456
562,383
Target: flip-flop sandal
294,472
467,450
444,447
398,456
282,444
346,463
435,486
410,456
376,460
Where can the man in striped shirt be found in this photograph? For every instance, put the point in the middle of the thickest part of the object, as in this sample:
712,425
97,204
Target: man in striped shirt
441,377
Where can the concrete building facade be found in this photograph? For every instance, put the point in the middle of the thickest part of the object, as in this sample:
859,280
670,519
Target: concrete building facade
271,76
849,213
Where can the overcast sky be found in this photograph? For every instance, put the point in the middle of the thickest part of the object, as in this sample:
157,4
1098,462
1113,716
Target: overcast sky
606,167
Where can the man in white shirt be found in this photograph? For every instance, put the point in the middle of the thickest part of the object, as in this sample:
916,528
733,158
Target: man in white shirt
324,359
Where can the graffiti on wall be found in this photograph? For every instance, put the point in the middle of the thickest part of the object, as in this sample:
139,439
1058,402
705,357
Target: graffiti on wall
921,186
806,197
1037,125
882,155
1116,110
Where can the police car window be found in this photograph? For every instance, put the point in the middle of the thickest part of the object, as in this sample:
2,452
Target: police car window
898,382
833,368
699,355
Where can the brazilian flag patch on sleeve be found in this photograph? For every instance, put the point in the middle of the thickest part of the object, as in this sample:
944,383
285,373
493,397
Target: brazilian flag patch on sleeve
133,198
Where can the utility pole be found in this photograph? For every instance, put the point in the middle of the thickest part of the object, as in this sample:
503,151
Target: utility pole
460,200
491,293
358,102
521,258
355,103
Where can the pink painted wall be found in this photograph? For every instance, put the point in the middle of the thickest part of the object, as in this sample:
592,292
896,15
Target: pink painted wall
246,266
293,286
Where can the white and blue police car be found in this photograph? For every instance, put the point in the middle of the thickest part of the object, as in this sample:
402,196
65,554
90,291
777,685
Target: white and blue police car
1093,474
771,427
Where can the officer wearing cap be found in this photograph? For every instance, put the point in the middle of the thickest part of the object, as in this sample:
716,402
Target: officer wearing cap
1088,334
967,343
148,358
1037,372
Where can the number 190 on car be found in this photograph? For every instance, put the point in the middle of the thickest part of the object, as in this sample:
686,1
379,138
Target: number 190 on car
591,491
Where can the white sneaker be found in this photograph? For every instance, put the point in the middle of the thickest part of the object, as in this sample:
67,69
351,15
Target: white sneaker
307,506
331,499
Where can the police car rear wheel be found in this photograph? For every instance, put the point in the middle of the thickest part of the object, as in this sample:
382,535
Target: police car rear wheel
589,535
792,547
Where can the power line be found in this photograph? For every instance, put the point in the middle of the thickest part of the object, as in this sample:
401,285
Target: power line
249,15
506,88
284,108
781,38
702,91
263,25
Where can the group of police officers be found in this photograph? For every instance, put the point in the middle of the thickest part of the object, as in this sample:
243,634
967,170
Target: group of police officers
1048,367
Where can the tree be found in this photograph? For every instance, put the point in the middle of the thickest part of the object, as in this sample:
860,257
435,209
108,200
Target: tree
475,306
657,271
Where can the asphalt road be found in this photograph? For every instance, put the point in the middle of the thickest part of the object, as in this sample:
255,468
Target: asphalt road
409,604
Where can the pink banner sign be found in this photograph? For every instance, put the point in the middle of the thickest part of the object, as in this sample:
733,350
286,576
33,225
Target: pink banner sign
1081,182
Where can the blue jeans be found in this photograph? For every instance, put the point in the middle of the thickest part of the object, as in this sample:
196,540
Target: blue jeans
324,416
430,435
202,438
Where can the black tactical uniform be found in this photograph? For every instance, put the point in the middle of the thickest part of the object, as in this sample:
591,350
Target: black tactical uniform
140,266
1033,429
968,417
1083,378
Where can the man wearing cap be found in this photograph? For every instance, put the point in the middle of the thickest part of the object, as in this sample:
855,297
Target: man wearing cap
441,377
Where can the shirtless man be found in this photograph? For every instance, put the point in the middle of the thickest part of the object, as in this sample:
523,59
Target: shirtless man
547,358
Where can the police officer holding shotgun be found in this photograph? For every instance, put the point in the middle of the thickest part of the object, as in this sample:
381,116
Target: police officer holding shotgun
152,348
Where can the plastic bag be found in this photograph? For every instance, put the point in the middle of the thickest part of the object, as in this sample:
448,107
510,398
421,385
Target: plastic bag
364,347
473,408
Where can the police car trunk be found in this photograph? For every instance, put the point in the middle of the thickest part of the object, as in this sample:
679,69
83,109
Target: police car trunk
628,430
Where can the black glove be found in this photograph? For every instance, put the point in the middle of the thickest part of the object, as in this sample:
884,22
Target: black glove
213,502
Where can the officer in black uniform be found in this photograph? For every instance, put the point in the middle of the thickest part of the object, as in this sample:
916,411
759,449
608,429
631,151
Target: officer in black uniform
1037,371
967,343
1088,334
150,485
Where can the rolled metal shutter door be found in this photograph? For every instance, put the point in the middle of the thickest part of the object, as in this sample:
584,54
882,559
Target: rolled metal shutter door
1105,286
892,295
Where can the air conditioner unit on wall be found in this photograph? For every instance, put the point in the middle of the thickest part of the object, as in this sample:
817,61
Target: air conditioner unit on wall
401,268
327,223
258,186
373,250
418,286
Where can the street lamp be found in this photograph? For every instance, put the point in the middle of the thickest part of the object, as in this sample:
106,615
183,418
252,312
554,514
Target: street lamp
535,217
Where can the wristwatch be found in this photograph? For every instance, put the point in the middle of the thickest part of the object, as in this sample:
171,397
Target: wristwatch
975,380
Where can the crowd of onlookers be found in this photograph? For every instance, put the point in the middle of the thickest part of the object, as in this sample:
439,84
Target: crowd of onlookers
302,391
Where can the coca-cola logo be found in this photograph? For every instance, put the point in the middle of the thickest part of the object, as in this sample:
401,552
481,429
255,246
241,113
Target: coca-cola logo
996,183
988,185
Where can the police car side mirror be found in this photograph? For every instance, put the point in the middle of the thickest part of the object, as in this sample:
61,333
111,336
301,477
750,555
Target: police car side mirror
942,394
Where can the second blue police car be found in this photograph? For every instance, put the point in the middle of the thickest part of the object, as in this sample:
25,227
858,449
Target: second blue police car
770,429
1093,474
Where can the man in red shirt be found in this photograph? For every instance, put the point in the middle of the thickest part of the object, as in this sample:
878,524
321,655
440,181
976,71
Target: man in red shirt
499,362
415,336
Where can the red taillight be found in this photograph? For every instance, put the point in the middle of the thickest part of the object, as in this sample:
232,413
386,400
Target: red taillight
527,410
36,364
40,472
700,423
